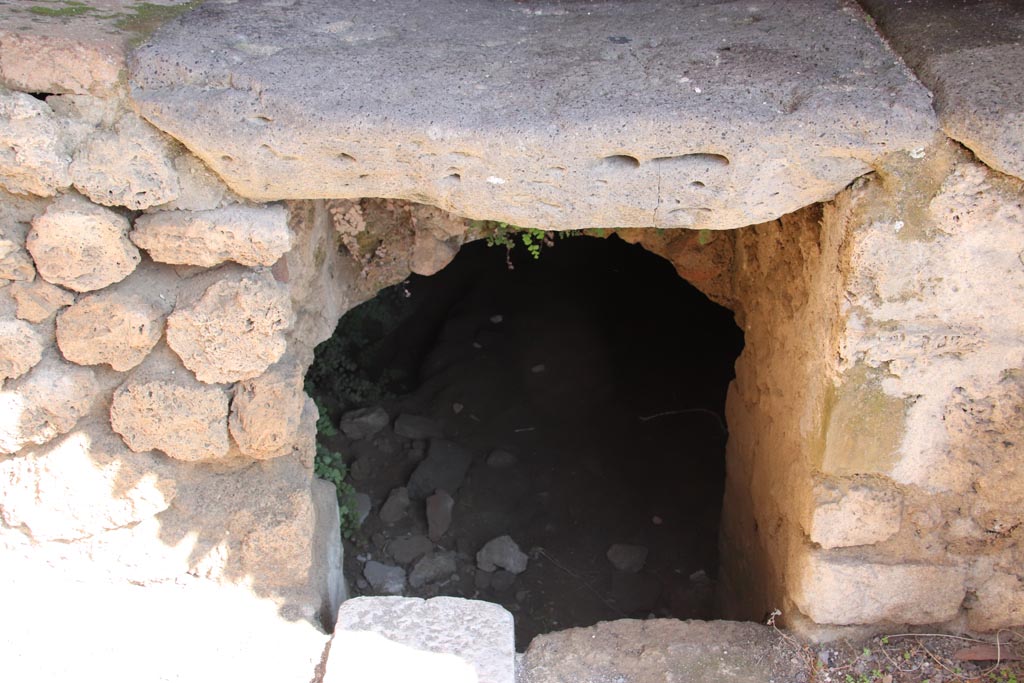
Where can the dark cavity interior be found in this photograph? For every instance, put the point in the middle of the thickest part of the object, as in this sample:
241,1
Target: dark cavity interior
600,373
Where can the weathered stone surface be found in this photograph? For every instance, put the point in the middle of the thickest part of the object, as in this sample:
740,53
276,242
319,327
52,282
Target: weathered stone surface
85,483
444,468
448,640
199,188
435,566
249,235
396,506
327,542
384,578
860,515
439,514
502,552
835,590
266,411
21,347
38,300
131,166
408,548
661,651
1000,603
44,403
232,330
738,120
971,57
34,156
81,246
364,422
110,327
162,406
430,255
417,427
627,558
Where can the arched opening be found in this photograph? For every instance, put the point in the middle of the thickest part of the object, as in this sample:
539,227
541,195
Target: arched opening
572,402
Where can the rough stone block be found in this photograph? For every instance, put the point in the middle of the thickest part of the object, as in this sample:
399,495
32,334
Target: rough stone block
860,515
232,330
44,403
81,485
448,640
364,422
661,650
266,411
81,246
504,553
162,406
999,603
110,327
34,156
249,235
842,591
444,468
38,300
15,263
131,165
21,347
327,543
734,116
435,566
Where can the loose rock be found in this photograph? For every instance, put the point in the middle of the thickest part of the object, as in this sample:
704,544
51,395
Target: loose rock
502,552
384,578
38,300
444,468
81,246
33,153
439,514
114,328
163,407
417,427
21,347
234,330
249,235
407,548
396,506
431,568
44,403
363,507
627,558
15,263
266,411
364,422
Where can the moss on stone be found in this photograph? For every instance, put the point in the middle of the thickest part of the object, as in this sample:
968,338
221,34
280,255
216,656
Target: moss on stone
68,8
147,17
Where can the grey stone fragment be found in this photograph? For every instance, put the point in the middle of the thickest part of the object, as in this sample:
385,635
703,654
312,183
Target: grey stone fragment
364,422
444,468
408,639
439,514
408,548
396,506
431,568
627,558
417,427
384,578
701,115
363,507
502,552
633,650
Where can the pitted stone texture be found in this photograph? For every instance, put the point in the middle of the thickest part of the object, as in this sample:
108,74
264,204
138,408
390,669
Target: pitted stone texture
999,603
971,57
163,407
822,586
38,300
266,411
234,329
114,328
81,246
444,639
44,403
15,263
33,152
130,166
81,485
703,115
860,515
659,651
21,347
200,188
249,235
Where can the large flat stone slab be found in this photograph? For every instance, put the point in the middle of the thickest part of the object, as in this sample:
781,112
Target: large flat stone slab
662,651
556,115
441,640
971,55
